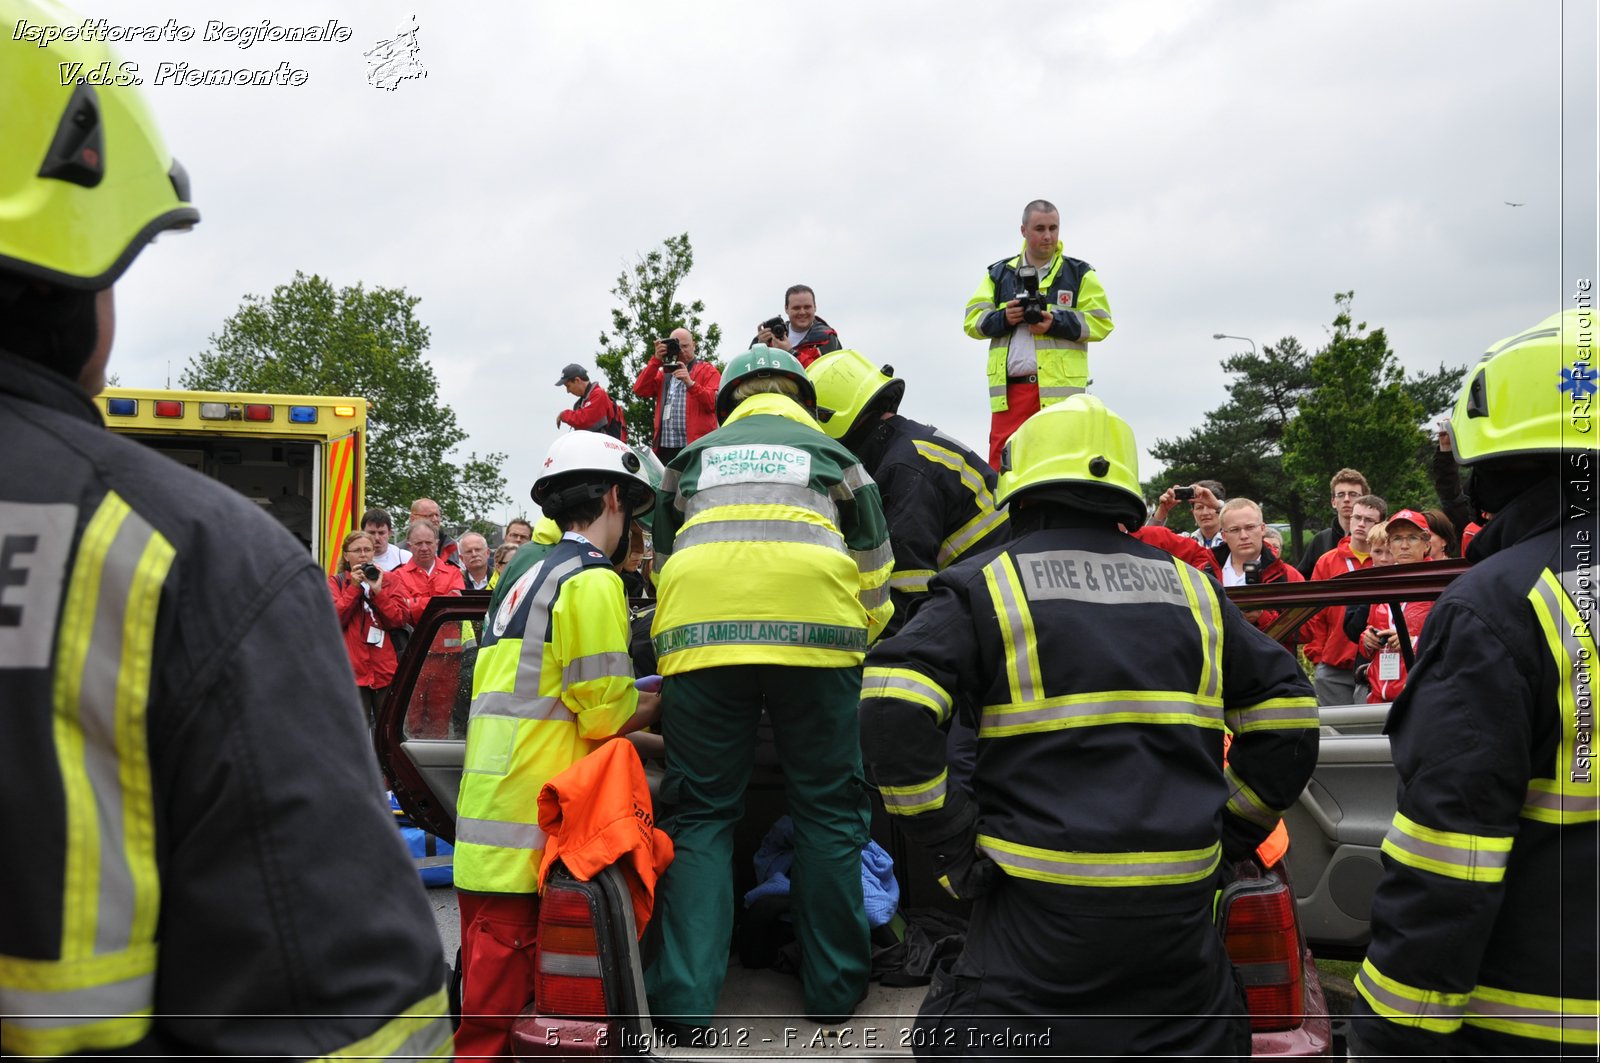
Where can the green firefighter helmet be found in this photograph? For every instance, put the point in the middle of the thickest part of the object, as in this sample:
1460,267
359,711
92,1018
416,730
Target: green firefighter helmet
1076,442
1531,394
762,361
85,178
850,390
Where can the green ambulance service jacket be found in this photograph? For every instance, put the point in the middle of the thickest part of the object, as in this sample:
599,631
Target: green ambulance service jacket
772,545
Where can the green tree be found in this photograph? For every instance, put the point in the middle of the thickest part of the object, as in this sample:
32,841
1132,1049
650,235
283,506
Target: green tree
309,338
650,309
1361,413
1241,442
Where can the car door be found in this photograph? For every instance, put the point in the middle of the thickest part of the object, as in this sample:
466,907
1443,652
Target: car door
1337,827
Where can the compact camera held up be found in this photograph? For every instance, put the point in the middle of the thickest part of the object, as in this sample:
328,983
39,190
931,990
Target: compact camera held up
1030,300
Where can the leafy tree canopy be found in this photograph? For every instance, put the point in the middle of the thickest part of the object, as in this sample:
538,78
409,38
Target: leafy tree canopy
648,292
309,338
1292,419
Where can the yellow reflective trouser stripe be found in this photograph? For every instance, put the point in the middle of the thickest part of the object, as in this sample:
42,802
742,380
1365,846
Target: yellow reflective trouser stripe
1469,857
1208,618
1275,714
920,797
1567,1020
1405,1005
1244,803
1098,709
1573,795
906,685
1016,629
1101,869
911,580
422,1031
111,890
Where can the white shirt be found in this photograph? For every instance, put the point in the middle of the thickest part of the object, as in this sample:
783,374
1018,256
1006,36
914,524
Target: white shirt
1231,577
391,558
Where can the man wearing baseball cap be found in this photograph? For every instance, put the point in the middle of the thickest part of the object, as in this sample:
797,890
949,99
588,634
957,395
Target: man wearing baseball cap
594,411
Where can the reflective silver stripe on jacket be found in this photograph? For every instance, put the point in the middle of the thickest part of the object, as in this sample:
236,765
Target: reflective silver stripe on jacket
911,580
876,685
611,665
1108,868
530,659
519,707
762,494
1577,677
759,531
1205,614
1576,1024
1011,608
879,557
1566,803
1094,713
1476,863
1244,803
499,834
872,597
1437,1010
39,1009
960,542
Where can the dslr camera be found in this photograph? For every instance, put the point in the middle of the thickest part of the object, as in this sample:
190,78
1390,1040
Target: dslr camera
1252,572
674,359
1032,302
779,327
371,571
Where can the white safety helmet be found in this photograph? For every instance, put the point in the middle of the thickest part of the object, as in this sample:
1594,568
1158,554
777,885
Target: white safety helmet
584,465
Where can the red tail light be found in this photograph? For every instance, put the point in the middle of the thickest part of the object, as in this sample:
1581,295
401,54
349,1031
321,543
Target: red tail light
569,981
1263,941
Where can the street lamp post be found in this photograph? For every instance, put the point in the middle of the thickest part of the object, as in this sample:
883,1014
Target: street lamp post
1226,336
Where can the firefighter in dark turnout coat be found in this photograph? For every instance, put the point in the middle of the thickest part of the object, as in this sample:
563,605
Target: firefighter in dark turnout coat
1106,673
938,496
204,866
1484,924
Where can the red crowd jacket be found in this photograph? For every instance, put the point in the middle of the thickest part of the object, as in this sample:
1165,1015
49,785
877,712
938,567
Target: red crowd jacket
1324,635
700,416
598,813
417,586
594,408
374,665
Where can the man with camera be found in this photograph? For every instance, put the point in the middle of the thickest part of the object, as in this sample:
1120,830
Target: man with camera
594,410
685,390
1039,311
804,335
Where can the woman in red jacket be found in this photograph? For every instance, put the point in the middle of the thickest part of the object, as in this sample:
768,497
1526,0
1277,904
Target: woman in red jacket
368,607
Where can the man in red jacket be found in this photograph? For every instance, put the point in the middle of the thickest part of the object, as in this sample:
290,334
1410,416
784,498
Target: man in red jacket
1327,647
1248,559
686,392
424,576
594,411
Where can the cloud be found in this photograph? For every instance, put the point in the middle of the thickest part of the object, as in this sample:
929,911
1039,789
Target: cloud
1226,167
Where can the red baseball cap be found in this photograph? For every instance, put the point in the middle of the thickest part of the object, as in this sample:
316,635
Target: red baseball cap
1412,517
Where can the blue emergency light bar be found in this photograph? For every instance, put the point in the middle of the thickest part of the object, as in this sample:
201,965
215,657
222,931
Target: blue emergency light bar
122,407
302,415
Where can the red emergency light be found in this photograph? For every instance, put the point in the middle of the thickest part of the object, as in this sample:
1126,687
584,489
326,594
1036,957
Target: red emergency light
169,408
257,412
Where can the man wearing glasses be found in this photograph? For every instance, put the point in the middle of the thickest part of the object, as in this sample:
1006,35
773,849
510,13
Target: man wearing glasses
1248,559
1347,485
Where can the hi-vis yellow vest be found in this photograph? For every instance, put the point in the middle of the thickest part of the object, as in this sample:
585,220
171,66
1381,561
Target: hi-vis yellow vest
553,679
1071,288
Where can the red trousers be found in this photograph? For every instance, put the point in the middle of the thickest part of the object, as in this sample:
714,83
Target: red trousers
498,938
1022,402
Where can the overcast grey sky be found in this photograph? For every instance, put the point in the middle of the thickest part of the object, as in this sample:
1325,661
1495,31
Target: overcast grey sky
1225,166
